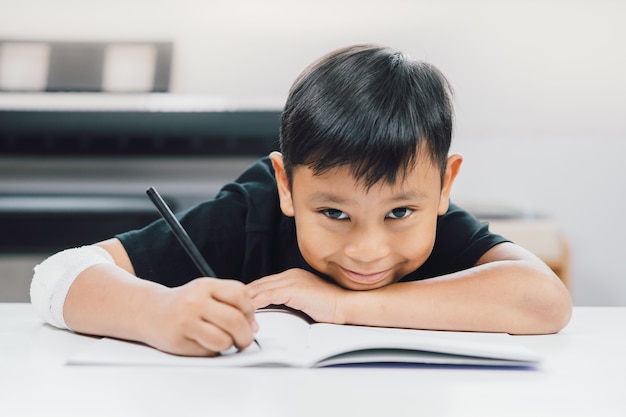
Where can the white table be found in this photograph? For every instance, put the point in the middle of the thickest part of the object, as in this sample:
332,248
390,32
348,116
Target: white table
583,374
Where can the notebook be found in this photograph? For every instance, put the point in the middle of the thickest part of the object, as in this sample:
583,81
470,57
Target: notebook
288,339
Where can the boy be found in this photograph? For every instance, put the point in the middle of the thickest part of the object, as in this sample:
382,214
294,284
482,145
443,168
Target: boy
350,223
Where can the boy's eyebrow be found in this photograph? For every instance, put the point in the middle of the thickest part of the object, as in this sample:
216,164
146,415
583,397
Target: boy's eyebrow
328,197
409,196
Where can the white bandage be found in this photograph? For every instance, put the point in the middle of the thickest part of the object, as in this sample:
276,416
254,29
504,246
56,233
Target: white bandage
54,277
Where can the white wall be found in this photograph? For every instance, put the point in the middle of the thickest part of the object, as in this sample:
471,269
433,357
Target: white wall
540,87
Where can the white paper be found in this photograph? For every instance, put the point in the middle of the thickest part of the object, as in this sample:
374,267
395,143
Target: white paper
287,340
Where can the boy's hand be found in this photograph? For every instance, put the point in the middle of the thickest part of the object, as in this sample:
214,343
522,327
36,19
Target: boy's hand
301,290
201,318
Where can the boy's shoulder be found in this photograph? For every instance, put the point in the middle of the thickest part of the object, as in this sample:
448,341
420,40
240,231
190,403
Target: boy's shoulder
260,170
460,241
255,187
459,227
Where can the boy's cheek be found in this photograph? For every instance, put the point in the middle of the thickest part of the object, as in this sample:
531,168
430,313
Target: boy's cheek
317,246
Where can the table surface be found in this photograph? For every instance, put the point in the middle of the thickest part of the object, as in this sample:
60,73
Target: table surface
583,374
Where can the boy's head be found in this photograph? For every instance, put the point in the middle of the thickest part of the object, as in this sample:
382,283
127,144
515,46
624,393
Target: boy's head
370,108
364,168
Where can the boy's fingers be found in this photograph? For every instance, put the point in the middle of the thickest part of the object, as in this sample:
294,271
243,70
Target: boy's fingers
236,328
191,347
268,292
210,337
235,294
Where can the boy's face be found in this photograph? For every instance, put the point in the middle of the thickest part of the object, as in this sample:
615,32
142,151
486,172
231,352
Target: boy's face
365,238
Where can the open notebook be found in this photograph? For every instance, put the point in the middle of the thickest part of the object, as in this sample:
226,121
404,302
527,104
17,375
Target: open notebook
287,339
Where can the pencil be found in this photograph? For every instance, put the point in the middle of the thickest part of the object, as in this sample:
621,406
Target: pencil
182,235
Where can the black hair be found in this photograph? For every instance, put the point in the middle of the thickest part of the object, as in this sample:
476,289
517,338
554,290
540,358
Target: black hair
368,107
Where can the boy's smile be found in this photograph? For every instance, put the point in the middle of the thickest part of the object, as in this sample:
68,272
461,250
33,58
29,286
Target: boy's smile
365,238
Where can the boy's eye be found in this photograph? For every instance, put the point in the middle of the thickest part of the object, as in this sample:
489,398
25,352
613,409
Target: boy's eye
399,213
335,214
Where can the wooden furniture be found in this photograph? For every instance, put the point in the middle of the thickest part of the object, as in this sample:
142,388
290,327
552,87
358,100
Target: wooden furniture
540,236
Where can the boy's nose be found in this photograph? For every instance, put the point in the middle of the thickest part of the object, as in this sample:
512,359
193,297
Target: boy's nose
367,246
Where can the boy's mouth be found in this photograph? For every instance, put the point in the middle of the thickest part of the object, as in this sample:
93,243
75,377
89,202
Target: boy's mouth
365,278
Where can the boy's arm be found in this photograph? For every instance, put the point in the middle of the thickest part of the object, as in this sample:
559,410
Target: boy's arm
509,290
203,317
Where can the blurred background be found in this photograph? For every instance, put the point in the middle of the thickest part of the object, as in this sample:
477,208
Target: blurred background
184,94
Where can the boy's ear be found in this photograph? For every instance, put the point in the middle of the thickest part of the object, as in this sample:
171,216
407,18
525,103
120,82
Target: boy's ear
452,169
284,190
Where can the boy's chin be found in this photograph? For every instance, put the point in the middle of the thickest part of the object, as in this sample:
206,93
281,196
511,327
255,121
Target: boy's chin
360,285
355,281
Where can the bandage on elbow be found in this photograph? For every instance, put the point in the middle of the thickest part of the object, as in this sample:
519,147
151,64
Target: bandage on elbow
53,278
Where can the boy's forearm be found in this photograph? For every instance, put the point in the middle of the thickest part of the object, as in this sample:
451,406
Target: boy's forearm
106,300
506,296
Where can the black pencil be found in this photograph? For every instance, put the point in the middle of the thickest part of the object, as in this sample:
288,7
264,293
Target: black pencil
182,235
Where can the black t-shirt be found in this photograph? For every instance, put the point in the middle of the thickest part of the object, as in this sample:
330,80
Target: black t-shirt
243,235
